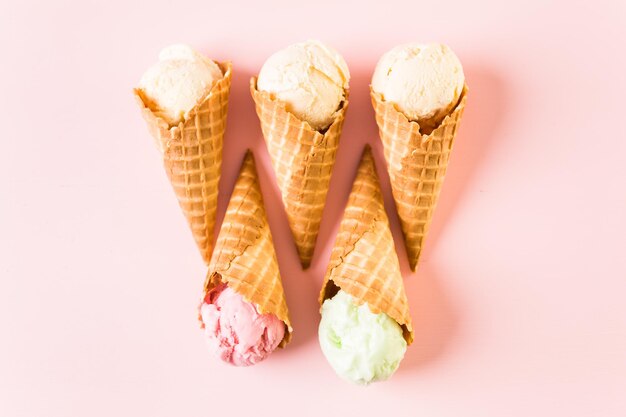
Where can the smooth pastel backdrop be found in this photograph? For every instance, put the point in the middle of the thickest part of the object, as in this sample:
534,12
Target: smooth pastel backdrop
519,302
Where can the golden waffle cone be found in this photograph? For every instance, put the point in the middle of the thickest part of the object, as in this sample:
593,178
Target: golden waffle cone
363,262
303,160
192,155
417,166
244,256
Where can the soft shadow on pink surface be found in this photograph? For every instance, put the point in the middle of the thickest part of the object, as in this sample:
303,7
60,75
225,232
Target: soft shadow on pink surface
359,129
485,109
434,318
244,132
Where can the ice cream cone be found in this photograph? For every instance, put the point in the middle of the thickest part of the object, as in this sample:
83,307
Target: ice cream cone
303,160
244,256
192,155
417,166
363,262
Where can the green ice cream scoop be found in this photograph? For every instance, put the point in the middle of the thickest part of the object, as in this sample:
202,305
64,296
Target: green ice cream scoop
361,346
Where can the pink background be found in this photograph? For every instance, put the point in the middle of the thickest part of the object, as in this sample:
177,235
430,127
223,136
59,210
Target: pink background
519,303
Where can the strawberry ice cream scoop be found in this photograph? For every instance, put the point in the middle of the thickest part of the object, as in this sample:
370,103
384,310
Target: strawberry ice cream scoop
235,330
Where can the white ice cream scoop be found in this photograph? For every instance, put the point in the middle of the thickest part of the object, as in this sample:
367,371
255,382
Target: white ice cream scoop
175,84
424,81
310,78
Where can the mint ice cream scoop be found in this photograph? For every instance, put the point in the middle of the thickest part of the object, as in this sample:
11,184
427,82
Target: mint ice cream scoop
361,346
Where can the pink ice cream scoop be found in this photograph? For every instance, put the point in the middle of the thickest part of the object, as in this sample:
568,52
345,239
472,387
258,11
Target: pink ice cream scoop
235,330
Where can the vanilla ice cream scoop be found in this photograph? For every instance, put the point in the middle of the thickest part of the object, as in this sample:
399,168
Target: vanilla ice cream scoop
175,84
361,346
423,81
310,78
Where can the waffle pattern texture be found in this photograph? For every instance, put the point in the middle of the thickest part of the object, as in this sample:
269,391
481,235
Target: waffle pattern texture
417,166
363,261
192,156
303,161
244,256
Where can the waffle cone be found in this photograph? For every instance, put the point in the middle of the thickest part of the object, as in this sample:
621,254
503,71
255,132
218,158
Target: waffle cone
244,256
417,166
192,156
363,262
303,159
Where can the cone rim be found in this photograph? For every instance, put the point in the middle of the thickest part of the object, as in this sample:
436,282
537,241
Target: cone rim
227,70
343,106
460,104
